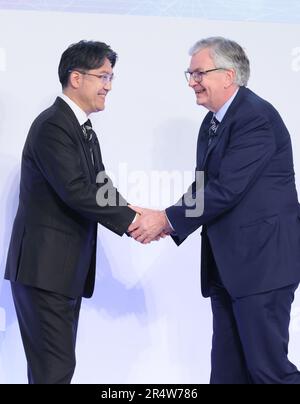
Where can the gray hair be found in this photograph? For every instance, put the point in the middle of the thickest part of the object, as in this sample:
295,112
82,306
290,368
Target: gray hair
227,54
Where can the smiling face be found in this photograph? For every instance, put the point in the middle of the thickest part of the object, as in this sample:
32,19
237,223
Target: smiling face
87,90
216,87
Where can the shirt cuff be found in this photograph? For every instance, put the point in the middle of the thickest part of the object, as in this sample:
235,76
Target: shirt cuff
170,224
135,218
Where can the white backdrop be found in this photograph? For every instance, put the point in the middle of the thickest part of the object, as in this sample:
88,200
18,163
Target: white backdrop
147,322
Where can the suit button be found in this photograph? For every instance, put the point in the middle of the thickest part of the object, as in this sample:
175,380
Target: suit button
93,242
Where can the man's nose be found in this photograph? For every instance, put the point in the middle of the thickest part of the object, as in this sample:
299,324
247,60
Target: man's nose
107,86
192,82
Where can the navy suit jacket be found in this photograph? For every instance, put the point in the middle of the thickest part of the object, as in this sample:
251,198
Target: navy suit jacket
54,237
251,213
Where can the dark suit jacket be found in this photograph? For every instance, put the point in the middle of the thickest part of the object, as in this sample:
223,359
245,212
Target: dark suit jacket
53,242
251,211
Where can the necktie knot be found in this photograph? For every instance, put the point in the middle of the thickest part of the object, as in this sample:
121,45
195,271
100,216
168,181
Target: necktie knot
87,130
88,124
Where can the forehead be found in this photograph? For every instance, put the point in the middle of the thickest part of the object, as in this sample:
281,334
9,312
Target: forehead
202,60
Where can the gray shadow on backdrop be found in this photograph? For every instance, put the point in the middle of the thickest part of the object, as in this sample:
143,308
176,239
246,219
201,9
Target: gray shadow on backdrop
111,294
10,184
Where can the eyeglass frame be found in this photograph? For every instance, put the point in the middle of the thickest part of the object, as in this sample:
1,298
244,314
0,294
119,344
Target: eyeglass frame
189,75
104,77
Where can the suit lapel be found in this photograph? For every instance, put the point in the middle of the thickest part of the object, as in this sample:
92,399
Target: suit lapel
203,151
77,131
202,142
214,142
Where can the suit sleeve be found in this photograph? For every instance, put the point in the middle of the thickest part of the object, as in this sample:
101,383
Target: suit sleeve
251,147
57,156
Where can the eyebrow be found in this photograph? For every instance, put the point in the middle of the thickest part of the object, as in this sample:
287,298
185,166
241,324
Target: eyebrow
195,70
200,70
104,72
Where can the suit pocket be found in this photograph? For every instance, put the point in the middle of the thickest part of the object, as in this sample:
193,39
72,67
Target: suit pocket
259,237
267,220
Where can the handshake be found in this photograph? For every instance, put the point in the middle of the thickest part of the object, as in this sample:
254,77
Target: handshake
149,225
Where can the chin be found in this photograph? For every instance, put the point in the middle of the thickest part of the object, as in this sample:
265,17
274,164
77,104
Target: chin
201,102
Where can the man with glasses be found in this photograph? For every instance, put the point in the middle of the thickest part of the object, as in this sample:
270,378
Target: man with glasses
250,254
52,255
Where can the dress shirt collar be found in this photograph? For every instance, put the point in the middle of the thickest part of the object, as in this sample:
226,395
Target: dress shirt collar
79,113
222,111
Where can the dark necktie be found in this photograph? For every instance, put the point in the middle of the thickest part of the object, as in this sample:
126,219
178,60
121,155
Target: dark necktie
212,131
92,144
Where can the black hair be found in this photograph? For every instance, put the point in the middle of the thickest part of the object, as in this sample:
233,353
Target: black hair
84,55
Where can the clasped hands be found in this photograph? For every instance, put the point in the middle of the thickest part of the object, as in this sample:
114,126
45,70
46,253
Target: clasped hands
150,225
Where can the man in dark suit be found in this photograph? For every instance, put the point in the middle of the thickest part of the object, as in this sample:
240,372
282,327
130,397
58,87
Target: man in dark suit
250,251
52,254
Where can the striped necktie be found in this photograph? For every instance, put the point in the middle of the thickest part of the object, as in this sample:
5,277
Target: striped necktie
212,131
92,144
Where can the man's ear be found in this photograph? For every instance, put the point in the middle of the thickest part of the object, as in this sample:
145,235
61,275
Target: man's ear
229,78
75,79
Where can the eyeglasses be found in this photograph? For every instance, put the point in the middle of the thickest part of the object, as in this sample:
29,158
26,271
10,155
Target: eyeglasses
198,75
104,77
